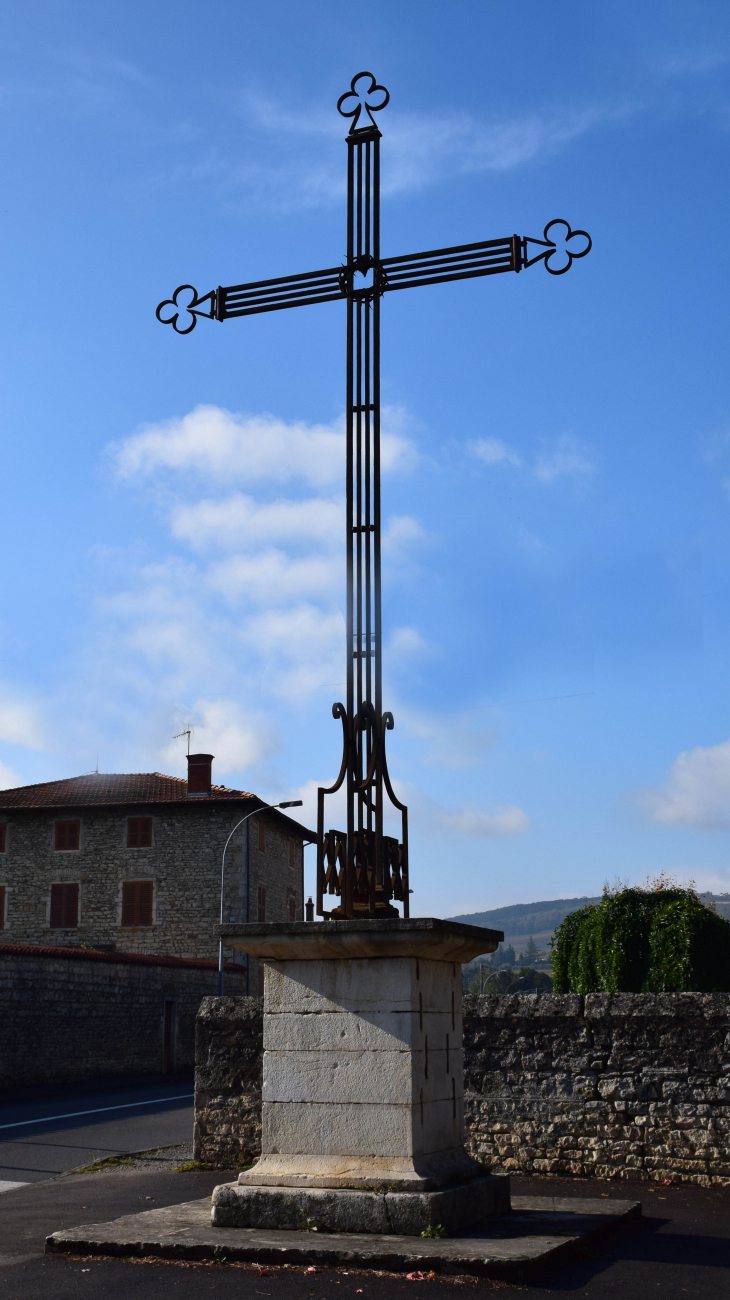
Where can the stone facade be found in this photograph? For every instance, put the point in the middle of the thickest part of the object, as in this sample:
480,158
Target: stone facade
74,1016
264,865
629,1086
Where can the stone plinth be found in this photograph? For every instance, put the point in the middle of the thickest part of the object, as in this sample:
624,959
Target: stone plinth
362,1079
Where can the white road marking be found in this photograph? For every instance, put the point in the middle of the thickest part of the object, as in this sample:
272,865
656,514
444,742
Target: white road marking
99,1110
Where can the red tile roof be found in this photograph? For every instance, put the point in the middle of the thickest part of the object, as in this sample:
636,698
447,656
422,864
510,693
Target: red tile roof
111,788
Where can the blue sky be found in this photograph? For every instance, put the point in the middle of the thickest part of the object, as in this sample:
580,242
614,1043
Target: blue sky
557,487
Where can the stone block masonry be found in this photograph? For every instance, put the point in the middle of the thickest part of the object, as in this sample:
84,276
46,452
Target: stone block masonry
631,1086
74,1015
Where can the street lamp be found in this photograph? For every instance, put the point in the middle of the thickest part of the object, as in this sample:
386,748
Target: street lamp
288,803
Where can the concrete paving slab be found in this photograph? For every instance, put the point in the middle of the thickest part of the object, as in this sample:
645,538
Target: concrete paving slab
540,1233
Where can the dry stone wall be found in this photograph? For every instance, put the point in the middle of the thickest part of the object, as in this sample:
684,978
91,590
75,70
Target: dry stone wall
628,1086
228,1055
73,1016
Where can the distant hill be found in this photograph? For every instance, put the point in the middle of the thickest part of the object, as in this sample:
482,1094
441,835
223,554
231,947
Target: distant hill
541,919
527,918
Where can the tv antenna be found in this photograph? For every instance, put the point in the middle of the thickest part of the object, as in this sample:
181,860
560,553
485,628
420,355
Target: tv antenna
187,731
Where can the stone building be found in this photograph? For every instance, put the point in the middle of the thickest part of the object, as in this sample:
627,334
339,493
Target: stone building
132,863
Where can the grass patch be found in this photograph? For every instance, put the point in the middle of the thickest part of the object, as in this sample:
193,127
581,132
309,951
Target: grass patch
200,1166
109,1163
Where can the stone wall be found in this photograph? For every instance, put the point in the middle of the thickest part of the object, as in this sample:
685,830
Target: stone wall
80,1015
630,1086
228,1054
183,862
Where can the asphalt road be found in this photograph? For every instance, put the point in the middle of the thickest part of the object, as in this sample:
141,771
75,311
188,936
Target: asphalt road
50,1134
681,1251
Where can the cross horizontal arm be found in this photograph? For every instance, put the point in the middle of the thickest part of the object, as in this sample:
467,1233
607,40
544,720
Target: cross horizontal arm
462,262
273,295
435,266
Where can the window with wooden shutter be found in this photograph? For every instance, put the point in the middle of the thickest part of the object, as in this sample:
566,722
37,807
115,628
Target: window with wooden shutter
262,837
137,902
262,903
2,907
139,832
67,834
64,906
292,853
3,836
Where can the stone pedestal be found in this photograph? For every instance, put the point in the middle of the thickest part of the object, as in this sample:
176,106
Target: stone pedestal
363,1113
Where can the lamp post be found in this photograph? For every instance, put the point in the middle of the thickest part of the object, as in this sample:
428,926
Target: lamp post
288,803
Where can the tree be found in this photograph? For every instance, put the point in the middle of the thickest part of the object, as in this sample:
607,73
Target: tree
530,954
510,981
655,939
503,957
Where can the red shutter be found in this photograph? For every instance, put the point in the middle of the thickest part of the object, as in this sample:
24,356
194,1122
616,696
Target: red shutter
64,907
137,902
3,836
139,832
262,903
145,902
67,834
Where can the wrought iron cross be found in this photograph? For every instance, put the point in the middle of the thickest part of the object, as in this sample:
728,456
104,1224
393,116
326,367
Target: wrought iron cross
363,867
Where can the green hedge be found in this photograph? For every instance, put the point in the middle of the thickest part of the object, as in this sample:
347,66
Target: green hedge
643,941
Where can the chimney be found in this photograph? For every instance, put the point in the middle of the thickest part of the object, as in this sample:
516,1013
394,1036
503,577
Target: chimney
199,774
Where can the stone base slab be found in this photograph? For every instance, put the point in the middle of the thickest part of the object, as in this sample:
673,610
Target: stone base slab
317,1209
375,1173
541,1233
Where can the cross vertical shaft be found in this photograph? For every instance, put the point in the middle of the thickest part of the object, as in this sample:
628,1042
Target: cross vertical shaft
367,867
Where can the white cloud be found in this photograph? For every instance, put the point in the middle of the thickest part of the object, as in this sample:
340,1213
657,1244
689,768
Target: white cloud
274,578
505,820
568,458
696,792
229,448
20,722
238,740
563,457
404,645
426,817
495,452
692,62
422,148
433,819
239,521
453,740
301,649
8,778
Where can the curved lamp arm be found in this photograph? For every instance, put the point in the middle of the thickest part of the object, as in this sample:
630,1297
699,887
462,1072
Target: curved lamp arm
288,803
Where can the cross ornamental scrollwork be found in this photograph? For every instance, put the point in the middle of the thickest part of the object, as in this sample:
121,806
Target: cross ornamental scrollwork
364,869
